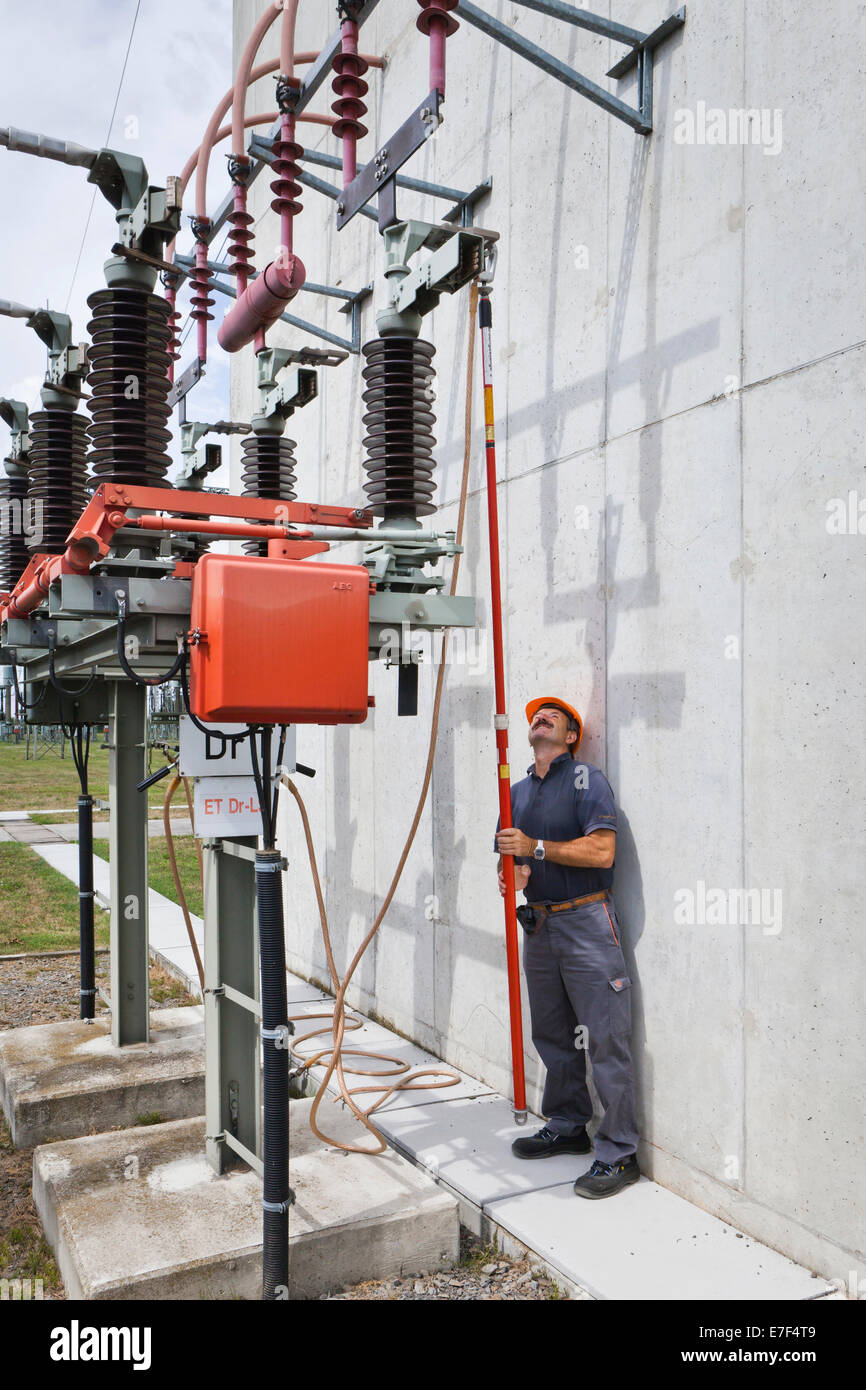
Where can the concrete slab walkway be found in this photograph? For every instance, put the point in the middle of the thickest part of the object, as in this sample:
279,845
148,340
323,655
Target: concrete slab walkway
645,1243
17,825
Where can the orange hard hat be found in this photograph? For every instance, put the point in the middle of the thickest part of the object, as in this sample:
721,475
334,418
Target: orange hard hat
535,705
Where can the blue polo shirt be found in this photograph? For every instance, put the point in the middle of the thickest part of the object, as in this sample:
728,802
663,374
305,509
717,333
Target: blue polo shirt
572,800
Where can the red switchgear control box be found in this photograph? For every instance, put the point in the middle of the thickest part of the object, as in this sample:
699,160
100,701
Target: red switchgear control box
279,641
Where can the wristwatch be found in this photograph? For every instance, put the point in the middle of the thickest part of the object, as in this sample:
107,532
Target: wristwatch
538,852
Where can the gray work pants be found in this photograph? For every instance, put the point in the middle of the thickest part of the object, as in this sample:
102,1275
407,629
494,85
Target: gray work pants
580,992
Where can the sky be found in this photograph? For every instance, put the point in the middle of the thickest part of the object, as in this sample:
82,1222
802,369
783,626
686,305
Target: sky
62,66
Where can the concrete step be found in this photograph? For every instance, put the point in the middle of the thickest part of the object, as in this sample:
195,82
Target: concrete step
60,1080
139,1214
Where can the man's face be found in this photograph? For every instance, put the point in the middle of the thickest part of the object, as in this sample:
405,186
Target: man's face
549,725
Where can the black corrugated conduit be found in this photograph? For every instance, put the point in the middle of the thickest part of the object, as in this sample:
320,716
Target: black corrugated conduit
277,1196
79,741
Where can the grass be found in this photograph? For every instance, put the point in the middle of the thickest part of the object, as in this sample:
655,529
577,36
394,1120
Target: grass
178,808
38,906
24,1252
165,989
50,780
160,876
474,1254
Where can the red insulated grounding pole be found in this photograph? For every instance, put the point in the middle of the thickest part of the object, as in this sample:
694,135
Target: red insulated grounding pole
485,322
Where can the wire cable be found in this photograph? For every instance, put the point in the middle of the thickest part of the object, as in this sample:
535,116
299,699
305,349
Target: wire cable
62,689
107,138
168,675
339,1021
20,699
203,728
172,859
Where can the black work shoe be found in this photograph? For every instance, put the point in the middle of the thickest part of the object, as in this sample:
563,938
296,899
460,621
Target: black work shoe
545,1143
604,1179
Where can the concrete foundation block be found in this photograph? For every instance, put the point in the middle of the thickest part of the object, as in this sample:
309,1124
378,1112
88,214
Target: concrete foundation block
139,1214
62,1080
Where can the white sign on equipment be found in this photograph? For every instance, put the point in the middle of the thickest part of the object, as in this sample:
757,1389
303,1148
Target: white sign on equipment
226,806
208,755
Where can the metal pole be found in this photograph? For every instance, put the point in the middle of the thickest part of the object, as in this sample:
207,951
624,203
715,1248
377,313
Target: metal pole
87,988
501,719
127,766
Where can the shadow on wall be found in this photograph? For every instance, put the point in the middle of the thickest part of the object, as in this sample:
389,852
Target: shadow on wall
651,699
654,699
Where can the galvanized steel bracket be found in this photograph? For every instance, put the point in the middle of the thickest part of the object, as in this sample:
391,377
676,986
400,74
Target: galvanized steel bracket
641,46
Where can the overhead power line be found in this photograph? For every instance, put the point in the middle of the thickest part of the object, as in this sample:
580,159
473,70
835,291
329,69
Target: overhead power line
105,142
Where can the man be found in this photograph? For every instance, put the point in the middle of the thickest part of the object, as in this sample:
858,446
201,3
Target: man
564,843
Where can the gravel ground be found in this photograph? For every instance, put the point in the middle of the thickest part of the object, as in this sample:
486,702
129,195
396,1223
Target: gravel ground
482,1274
46,991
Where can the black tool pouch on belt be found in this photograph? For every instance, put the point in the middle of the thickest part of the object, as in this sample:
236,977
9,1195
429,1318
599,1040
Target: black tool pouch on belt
530,918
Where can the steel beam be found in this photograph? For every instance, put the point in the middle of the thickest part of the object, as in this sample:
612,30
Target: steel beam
330,190
261,147
375,178
232,1075
127,765
648,44
540,58
156,636
595,23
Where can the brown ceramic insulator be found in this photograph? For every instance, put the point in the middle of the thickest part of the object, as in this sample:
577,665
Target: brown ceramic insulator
14,554
437,12
399,420
268,471
56,477
129,356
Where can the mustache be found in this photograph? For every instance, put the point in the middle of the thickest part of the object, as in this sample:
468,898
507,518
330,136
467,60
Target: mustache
542,724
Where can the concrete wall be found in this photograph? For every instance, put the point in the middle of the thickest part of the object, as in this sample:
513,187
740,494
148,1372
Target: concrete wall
678,365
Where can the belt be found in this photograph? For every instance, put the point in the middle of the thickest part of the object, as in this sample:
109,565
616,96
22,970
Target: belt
572,902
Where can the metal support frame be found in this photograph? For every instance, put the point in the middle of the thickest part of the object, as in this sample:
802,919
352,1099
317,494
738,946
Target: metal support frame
317,74
640,55
231,1009
261,148
127,765
377,178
